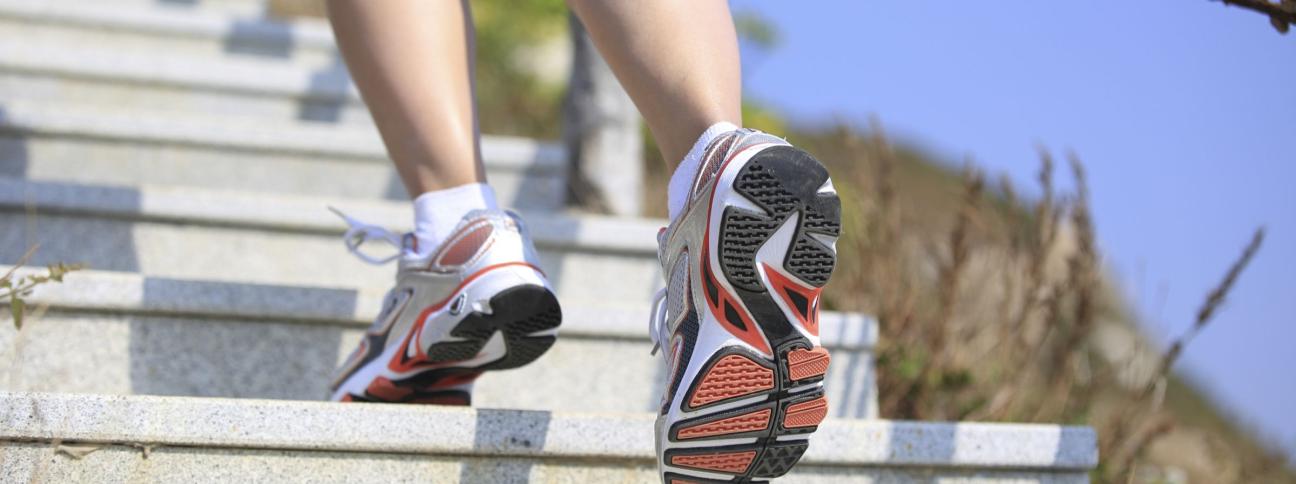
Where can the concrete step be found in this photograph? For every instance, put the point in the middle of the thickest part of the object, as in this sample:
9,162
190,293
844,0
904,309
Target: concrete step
167,28
218,440
289,240
165,336
240,7
46,141
91,74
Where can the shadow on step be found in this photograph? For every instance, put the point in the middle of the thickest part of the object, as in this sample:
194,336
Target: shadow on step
13,149
260,37
266,37
515,430
329,87
198,357
60,235
240,360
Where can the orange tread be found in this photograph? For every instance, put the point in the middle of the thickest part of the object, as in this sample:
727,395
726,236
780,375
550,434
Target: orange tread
733,425
803,363
806,414
733,376
735,462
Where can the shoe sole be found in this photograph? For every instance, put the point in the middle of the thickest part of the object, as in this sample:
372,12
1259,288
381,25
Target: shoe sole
517,313
782,182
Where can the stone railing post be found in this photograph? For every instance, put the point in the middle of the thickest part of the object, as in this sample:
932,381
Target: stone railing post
602,133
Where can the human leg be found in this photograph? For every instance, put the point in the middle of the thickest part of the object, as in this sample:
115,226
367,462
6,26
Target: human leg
469,295
753,224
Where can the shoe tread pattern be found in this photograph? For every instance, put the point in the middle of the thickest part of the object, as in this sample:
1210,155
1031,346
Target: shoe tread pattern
517,313
784,182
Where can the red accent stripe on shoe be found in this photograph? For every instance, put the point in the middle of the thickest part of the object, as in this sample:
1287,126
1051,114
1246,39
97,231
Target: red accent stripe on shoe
804,301
399,363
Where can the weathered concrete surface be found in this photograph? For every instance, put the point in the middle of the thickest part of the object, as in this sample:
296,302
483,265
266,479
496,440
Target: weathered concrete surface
118,333
130,144
238,437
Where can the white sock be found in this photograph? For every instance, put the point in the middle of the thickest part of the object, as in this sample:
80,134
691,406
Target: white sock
681,182
437,213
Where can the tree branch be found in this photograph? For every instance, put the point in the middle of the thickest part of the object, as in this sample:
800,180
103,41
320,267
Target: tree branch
1281,15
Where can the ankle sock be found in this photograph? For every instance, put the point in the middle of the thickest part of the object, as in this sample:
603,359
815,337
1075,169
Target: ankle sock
437,213
681,182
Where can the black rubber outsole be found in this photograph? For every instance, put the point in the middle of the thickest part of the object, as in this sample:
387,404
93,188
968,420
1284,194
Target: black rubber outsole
433,397
784,181
516,313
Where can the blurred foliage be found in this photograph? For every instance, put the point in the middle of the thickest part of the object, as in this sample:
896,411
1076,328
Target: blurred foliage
510,99
756,30
759,116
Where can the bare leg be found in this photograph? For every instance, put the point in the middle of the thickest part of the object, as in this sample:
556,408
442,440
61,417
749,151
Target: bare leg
678,60
412,60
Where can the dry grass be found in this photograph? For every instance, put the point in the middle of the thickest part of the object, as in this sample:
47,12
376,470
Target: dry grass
13,289
989,307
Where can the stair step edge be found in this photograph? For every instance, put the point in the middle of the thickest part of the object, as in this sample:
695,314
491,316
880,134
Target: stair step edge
130,293
301,213
193,23
229,132
286,425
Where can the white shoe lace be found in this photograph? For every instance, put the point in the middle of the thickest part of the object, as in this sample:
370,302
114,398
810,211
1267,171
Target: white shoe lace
358,232
657,320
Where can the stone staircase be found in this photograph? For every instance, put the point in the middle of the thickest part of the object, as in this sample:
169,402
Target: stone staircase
186,151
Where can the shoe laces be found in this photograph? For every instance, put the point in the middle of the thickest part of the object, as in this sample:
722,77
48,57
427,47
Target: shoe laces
657,320
359,232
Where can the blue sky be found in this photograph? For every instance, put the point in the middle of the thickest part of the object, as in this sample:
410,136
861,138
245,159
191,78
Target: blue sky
1183,110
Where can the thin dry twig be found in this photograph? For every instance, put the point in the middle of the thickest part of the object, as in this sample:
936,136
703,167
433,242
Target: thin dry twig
1214,300
1119,463
13,291
1082,276
960,251
22,261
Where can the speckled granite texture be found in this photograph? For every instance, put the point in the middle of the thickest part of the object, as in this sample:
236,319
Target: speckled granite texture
125,464
163,336
249,425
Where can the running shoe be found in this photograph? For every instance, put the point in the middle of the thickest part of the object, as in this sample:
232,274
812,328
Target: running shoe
478,302
738,320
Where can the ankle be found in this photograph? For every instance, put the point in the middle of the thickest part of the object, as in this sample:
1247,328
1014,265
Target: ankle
681,182
438,212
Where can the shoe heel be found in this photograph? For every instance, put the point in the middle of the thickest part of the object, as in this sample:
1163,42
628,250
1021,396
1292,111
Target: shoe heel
517,314
776,249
